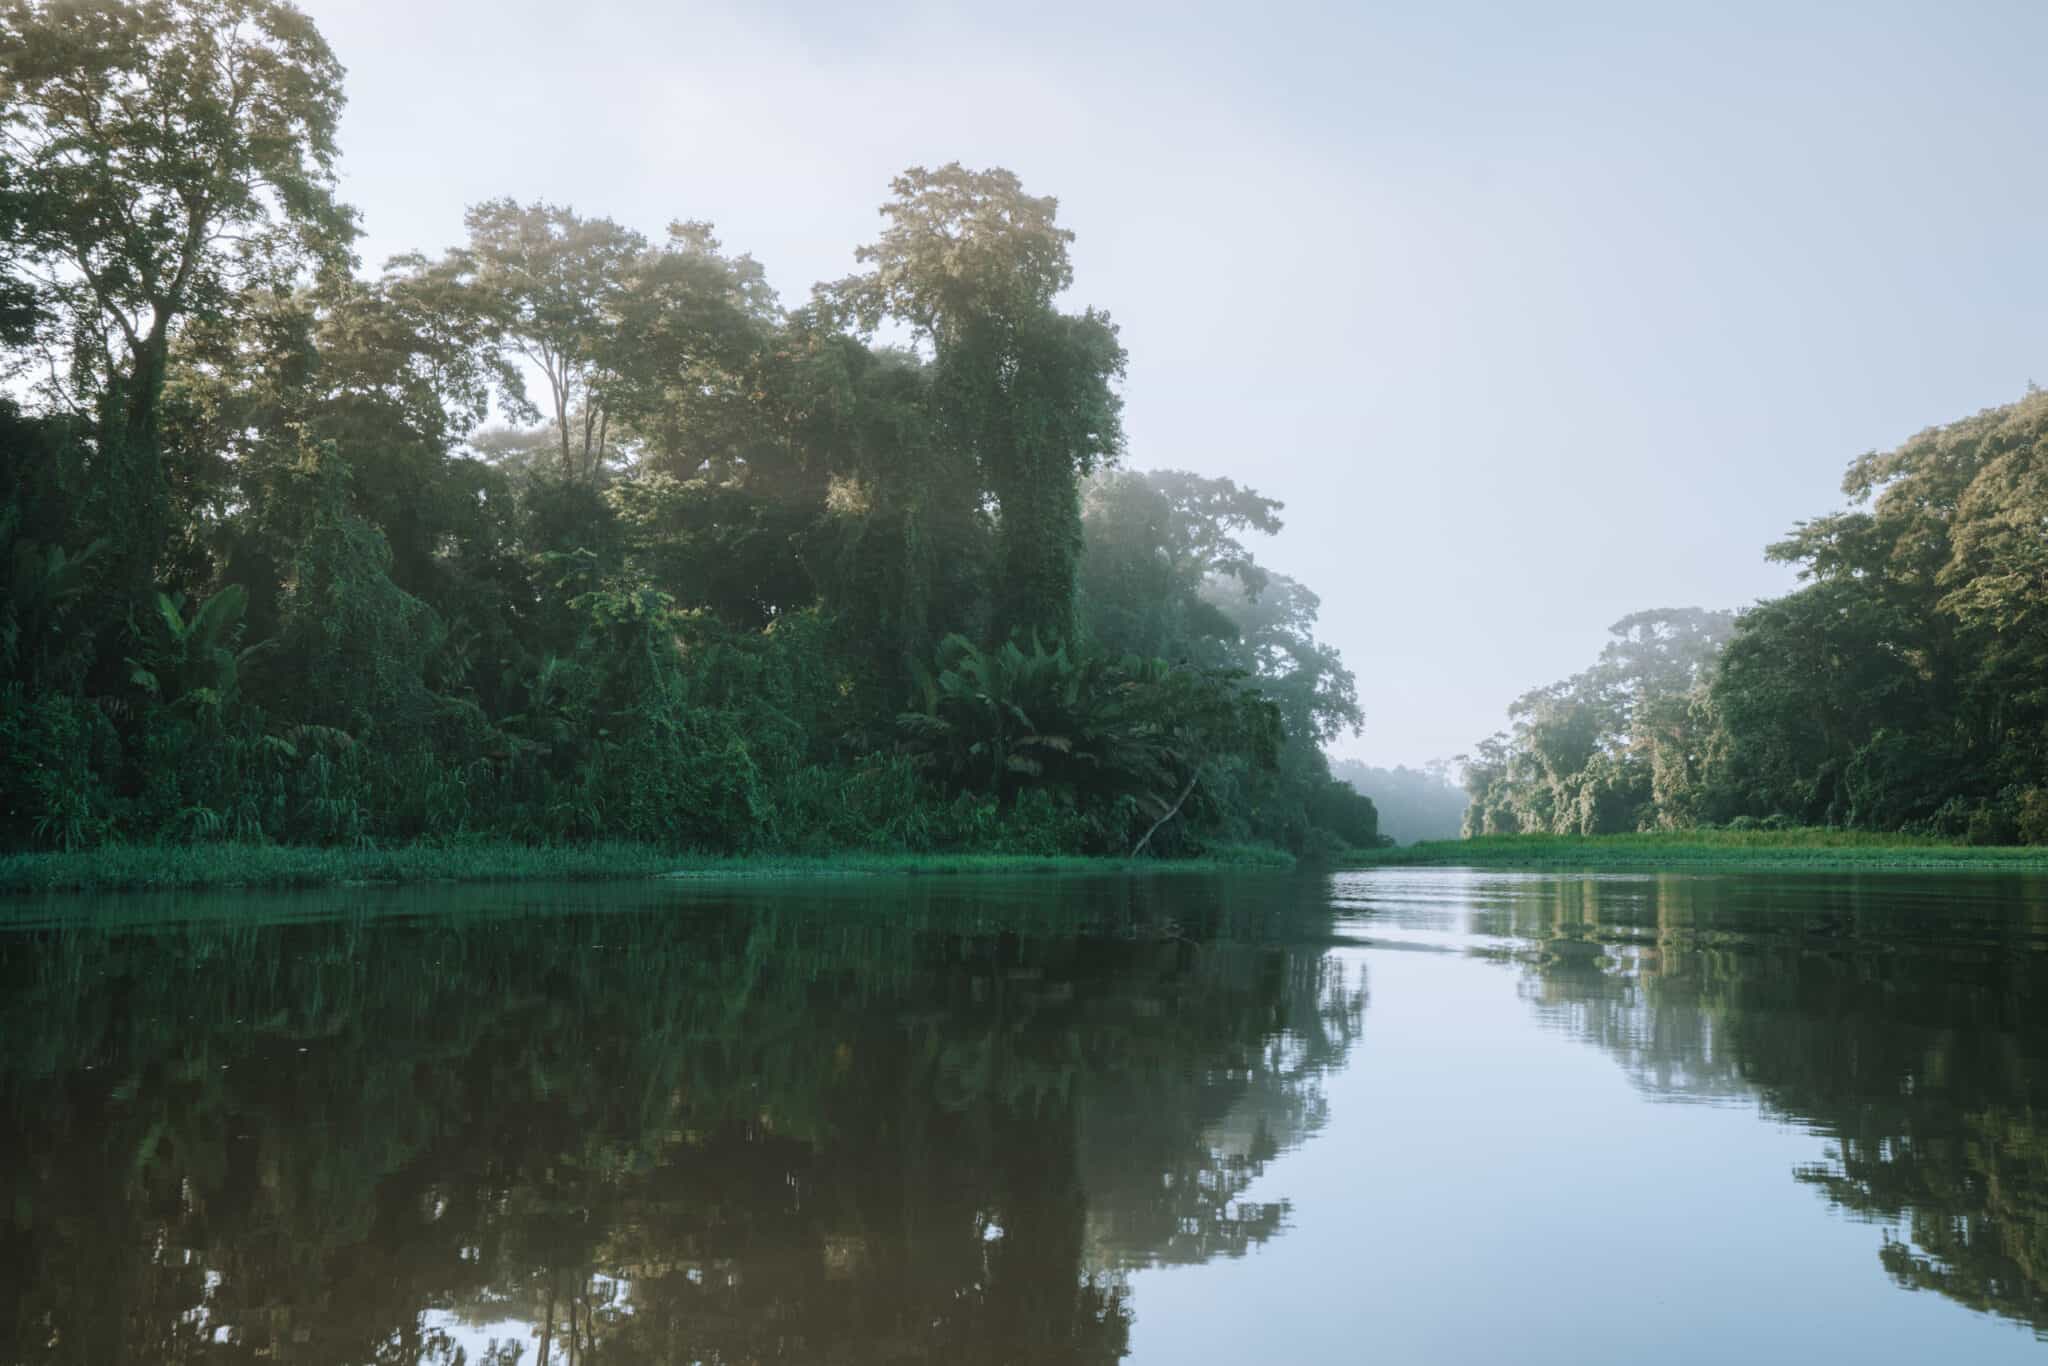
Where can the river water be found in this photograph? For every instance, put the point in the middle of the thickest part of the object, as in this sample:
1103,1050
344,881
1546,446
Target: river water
1397,1115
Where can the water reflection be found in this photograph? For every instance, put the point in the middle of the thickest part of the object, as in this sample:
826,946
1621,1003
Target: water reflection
1899,1018
870,1126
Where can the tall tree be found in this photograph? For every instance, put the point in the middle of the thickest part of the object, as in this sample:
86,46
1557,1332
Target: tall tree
1154,539
687,354
551,281
163,156
1277,646
973,266
1901,687
1611,748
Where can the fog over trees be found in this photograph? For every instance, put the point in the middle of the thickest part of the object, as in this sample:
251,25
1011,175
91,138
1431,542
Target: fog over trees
1413,803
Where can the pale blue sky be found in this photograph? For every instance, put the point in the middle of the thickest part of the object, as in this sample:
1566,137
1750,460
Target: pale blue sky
1534,315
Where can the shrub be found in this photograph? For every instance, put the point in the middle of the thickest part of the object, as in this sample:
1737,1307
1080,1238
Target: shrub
2031,816
54,750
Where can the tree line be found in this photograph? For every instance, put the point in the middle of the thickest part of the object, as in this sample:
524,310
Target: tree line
1413,804
1903,687
568,531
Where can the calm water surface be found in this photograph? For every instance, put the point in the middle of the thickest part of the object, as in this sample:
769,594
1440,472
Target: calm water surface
1402,1116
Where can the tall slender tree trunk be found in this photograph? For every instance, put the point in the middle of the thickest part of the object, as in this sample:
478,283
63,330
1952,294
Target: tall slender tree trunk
130,481
559,383
1171,812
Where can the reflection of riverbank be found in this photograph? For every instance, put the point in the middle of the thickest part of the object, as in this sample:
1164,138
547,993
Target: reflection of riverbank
1256,1107
1708,851
753,1127
180,870
1897,1018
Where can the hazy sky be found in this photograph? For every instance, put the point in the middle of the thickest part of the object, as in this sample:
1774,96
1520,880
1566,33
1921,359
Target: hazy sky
1534,315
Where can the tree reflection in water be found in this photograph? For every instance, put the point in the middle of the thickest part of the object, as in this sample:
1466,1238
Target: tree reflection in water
853,1127
1898,1017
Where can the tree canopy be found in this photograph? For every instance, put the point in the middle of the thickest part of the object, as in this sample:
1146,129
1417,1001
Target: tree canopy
572,531
1902,687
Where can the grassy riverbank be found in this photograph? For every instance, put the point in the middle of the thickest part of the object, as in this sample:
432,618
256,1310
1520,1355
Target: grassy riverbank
1710,849
123,868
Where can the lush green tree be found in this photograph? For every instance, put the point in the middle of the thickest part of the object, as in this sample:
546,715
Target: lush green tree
1618,747
689,347
1666,652
45,640
1807,681
1154,540
1276,644
548,282
353,640
973,265
906,541
1121,745
1167,572
1901,688
162,158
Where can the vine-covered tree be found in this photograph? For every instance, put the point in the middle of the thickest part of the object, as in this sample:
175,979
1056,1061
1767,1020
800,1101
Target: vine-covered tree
973,266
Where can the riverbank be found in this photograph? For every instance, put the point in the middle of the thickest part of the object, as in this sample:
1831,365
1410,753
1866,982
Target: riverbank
1710,849
137,868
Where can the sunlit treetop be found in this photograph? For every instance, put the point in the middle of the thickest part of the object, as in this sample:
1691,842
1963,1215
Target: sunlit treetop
162,155
959,245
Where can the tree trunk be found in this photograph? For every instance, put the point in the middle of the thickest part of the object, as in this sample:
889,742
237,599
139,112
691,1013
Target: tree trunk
130,482
1171,812
560,385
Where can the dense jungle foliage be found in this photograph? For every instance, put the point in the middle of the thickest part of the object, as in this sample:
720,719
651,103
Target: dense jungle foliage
1903,688
566,532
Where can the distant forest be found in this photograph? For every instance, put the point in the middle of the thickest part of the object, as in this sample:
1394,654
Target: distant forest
566,531
1413,803
1903,687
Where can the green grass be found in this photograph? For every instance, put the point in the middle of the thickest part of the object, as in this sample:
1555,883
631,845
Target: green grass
1809,848
128,868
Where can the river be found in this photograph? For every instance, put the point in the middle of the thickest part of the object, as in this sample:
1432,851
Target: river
1404,1115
